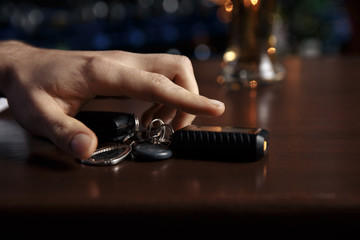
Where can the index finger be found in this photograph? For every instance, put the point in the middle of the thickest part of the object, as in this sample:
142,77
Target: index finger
177,68
109,78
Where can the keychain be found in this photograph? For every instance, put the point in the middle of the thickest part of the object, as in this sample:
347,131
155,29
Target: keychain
147,145
121,136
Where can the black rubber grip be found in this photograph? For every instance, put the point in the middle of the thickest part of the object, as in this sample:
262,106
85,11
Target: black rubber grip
234,146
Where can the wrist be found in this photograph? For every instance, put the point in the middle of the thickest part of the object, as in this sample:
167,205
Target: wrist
9,55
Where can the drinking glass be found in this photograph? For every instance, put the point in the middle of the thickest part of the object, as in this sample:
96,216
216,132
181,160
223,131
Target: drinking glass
250,59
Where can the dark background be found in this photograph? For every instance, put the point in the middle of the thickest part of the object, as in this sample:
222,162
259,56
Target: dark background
196,28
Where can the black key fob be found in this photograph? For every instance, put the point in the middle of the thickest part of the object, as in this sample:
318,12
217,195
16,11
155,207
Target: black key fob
109,126
147,152
221,143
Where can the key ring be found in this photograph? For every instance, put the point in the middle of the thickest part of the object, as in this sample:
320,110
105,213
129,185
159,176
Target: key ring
149,133
161,131
109,155
159,134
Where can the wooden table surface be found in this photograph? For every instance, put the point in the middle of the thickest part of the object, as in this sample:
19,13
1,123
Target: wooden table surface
310,178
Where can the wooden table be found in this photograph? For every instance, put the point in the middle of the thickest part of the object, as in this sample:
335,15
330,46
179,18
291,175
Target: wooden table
310,179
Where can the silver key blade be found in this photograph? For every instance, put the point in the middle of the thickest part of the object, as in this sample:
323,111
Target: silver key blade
109,155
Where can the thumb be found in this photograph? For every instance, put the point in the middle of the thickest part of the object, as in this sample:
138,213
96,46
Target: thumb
71,135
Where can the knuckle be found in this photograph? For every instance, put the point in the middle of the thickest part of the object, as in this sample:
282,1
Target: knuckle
157,85
89,71
93,64
181,62
98,70
185,74
157,80
184,60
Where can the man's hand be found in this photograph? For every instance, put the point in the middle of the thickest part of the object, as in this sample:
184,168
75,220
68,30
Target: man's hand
45,88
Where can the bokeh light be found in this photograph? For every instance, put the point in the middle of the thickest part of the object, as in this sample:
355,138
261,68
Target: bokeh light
308,28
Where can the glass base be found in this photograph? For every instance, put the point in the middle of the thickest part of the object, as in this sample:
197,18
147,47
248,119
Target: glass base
239,74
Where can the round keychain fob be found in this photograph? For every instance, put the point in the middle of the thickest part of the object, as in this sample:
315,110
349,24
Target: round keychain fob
150,152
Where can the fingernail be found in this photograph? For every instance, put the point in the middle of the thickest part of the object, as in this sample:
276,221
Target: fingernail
217,103
80,144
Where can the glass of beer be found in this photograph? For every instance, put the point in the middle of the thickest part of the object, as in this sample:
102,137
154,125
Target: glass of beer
250,59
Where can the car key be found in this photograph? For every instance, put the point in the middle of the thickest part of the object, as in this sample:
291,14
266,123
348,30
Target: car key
223,143
109,126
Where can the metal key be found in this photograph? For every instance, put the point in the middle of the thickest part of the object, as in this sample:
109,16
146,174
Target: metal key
108,155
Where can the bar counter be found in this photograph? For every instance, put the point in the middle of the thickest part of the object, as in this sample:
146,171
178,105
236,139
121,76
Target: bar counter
309,182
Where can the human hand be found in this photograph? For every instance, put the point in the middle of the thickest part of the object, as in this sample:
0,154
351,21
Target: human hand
45,88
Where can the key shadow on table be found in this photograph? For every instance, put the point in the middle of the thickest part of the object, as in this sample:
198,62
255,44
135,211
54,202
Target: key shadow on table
44,154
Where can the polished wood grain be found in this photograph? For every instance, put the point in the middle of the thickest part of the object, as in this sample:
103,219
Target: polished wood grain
310,179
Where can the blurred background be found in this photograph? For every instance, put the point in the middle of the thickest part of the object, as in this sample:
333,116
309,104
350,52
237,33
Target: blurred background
196,28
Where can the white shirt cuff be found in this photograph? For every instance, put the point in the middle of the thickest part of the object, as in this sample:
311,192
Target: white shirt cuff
3,104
